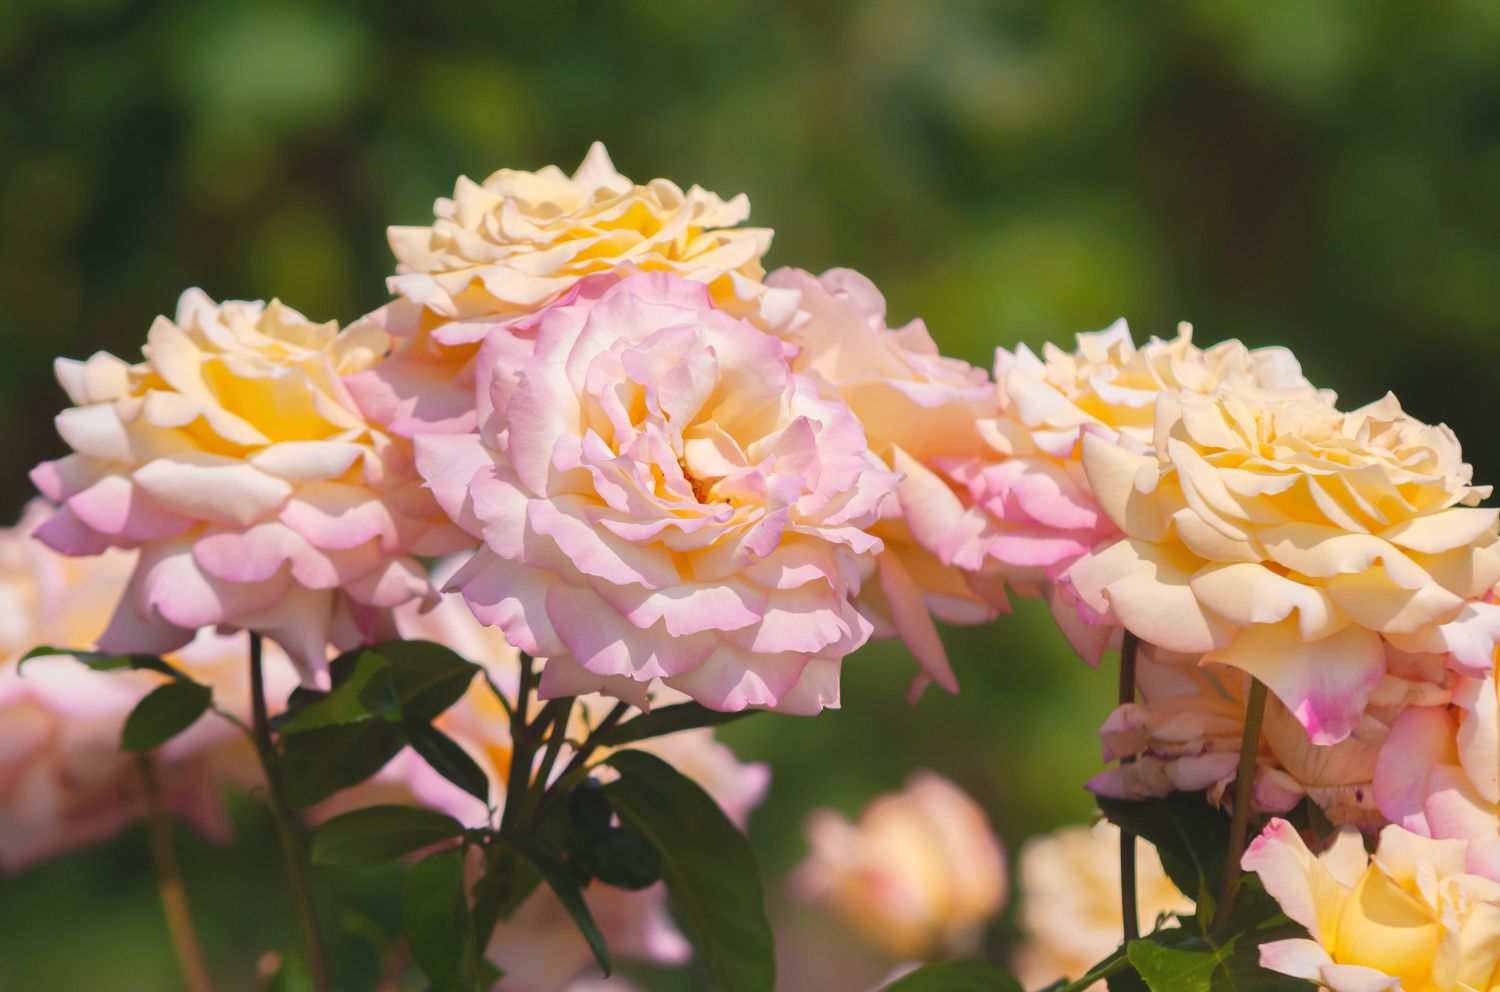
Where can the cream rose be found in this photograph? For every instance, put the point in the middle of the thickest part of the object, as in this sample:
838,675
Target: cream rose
1031,510
499,251
1296,543
1070,901
258,496
1410,917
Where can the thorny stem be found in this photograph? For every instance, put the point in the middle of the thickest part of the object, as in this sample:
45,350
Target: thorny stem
1239,827
174,901
1129,910
523,748
581,758
555,739
293,840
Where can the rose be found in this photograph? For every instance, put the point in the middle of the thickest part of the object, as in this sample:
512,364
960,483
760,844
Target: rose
1439,773
64,782
1185,734
1070,901
661,497
1409,915
501,250
920,873
1296,543
258,495
917,407
1031,512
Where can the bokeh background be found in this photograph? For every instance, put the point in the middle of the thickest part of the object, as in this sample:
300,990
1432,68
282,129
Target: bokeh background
1321,175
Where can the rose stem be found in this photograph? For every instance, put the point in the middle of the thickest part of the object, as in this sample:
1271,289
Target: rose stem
1239,827
174,900
293,843
1129,912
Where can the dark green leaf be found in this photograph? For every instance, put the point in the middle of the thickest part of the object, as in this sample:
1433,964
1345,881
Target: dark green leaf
1189,834
956,976
378,834
667,720
448,759
100,662
615,854
318,763
711,877
428,677
435,919
164,713
560,879
365,692
502,891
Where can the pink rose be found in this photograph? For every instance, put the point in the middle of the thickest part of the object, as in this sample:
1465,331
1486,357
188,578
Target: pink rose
661,497
918,408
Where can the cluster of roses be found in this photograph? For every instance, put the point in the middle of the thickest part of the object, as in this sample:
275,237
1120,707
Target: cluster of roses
663,470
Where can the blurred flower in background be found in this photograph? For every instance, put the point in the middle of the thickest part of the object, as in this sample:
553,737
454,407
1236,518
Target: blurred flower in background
918,874
1069,899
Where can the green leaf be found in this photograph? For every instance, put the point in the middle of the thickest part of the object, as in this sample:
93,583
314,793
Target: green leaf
378,834
435,919
428,677
448,759
502,891
559,877
1183,961
616,855
956,976
317,763
1190,835
667,720
365,692
164,713
711,877
101,662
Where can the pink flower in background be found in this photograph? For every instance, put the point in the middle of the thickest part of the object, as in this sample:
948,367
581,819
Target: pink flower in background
1439,774
258,495
1069,894
661,497
916,406
1296,543
1032,510
64,783
1184,735
918,875
1410,917
539,948
501,250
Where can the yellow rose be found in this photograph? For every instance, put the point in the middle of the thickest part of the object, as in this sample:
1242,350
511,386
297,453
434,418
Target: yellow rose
1411,914
1296,543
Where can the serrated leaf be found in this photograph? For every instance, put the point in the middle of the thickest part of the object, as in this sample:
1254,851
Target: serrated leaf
365,692
559,878
436,922
101,662
428,677
317,763
668,720
377,834
956,976
163,713
1180,961
448,759
711,877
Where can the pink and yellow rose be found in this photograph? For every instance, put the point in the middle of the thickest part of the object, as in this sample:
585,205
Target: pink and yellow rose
661,496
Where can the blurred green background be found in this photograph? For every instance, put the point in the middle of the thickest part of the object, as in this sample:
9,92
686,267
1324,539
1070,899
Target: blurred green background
1317,174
